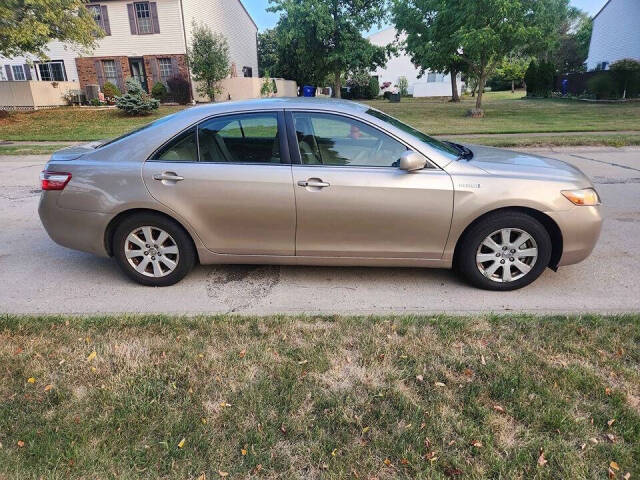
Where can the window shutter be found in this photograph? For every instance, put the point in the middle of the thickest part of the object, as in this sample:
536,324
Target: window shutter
7,68
98,66
120,75
27,71
154,70
132,19
105,20
153,6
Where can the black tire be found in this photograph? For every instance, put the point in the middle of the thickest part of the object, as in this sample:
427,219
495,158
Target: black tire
465,261
186,257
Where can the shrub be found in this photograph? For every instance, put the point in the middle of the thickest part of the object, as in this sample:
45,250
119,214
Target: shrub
602,86
179,89
403,86
626,74
268,87
374,88
159,91
136,101
539,78
110,90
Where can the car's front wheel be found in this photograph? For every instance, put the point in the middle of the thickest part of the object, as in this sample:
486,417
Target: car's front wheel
153,250
504,251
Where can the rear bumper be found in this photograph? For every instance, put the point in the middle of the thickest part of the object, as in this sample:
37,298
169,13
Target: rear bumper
76,229
580,227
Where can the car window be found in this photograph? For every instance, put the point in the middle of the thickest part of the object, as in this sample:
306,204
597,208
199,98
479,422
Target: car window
326,139
241,138
182,148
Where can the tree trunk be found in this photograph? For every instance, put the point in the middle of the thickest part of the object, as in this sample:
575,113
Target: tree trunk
513,86
454,86
481,83
337,85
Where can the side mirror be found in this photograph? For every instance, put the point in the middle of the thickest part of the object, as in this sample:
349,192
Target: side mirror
411,161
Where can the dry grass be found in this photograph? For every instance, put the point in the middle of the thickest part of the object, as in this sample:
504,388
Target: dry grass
300,397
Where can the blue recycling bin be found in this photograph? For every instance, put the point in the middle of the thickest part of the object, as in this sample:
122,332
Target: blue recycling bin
308,91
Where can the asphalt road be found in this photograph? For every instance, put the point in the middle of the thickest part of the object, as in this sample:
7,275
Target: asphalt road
38,276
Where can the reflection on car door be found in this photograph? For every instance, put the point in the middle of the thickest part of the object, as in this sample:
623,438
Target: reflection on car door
230,177
353,201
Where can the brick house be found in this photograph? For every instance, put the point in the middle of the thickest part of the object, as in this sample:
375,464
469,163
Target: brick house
143,39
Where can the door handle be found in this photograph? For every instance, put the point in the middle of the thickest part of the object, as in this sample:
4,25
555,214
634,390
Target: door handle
170,176
313,183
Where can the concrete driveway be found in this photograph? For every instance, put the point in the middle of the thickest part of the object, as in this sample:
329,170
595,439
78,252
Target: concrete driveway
38,276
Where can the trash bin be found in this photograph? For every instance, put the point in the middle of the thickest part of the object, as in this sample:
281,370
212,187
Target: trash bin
308,91
394,98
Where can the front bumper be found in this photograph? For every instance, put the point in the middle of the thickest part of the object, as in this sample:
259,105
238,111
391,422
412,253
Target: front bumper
76,229
580,228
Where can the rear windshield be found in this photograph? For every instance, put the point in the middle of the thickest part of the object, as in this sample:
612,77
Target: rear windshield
442,147
139,129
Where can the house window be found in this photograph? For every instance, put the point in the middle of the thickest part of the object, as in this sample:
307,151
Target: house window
165,69
96,11
431,77
52,71
143,17
109,69
18,72
247,71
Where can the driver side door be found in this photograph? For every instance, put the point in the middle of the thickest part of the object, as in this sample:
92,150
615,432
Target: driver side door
353,201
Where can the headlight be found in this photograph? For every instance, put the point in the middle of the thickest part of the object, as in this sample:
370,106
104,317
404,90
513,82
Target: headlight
586,197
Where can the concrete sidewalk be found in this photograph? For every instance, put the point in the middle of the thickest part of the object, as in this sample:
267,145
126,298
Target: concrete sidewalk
38,276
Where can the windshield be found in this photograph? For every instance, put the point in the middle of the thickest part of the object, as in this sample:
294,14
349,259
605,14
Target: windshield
442,147
139,129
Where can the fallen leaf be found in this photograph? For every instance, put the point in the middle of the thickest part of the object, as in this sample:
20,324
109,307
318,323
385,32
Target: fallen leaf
225,405
440,384
20,443
583,446
242,353
181,443
258,468
541,460
91,356
614,465
404,461
452,442
365,429
48,387
593,440
610,422
283,429
419,378
468,372
201,355
334,452
477,444
498,408
202,477
31,380
611,437
387,462
482,360
204,421
18,351
94,369
223,474
627,476
607,391
302,362
452,472
244,451
611,473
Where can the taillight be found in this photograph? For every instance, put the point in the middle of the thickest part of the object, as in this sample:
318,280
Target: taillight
54,180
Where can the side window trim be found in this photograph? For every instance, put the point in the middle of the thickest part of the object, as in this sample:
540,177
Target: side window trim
282,137
294,148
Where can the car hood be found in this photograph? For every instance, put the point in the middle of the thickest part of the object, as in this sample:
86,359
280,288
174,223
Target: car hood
507,162
75,151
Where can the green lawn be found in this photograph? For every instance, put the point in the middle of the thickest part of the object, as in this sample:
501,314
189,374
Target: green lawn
319,397
505,113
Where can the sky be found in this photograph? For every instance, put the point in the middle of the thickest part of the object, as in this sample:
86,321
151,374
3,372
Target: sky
264,19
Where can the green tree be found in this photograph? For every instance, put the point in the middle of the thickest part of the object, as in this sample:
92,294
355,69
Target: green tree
208,59
573,45
324,37
427,29
268,55
26,26
626,72
403,86
513,70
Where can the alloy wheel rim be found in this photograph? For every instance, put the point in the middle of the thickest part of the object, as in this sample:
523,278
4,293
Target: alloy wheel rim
151,251
506,255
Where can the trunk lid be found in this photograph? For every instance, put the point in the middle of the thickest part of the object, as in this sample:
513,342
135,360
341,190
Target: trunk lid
75,151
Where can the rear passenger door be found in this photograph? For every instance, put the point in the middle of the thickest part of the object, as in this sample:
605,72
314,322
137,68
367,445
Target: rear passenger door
230,178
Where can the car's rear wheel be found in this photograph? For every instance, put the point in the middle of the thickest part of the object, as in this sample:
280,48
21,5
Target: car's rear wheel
504,251
153,250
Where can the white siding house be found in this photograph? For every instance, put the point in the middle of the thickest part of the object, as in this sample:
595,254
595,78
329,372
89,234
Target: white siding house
144,39
431,84
616,34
